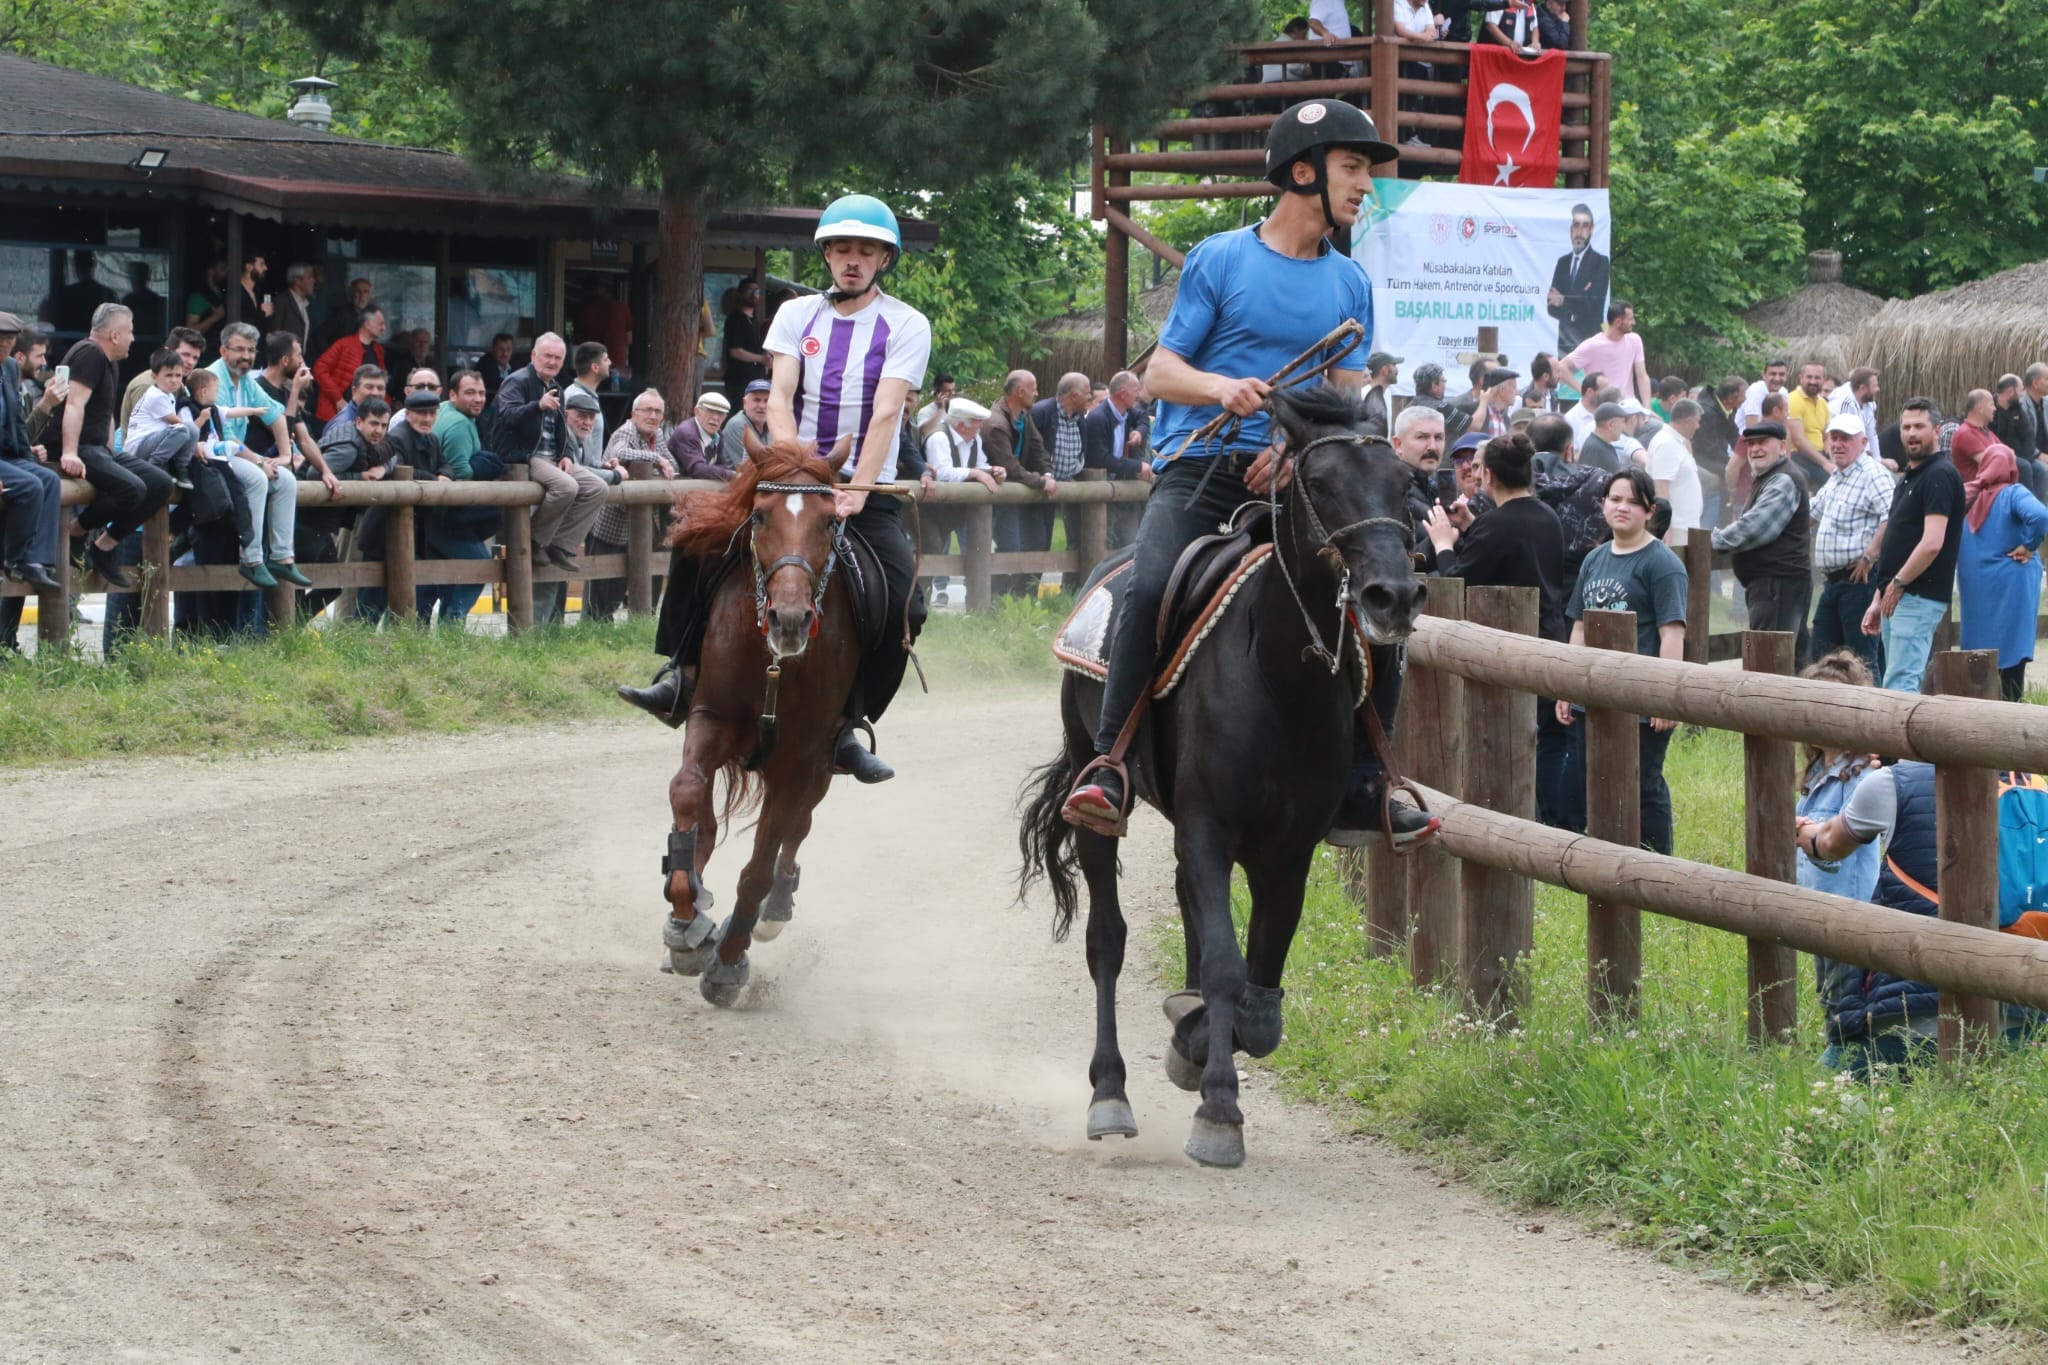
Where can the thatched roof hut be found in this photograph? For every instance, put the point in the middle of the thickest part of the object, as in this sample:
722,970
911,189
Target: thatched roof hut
1817,321
1074,341
1943,345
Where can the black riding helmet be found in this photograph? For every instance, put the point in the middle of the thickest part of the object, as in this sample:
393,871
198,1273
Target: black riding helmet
1310,129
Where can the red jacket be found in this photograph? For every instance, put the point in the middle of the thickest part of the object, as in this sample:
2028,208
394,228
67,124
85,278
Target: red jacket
336,369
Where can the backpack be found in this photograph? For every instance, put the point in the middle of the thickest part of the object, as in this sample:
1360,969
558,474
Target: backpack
2022,845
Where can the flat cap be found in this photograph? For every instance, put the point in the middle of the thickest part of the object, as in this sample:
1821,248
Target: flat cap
9,323
427,398
583,402
1608,412
1499,375
1760,431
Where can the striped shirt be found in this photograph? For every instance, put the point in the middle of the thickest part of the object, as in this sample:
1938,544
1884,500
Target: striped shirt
1847,511
845,358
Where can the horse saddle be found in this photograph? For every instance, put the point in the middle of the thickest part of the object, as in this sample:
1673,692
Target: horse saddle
1205,580
866,588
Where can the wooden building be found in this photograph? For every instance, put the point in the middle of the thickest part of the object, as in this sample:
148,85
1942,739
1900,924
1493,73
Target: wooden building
110,191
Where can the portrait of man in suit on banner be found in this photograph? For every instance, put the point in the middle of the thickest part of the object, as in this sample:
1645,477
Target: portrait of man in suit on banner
1578,285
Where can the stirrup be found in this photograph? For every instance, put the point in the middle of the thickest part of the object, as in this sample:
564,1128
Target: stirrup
1091,818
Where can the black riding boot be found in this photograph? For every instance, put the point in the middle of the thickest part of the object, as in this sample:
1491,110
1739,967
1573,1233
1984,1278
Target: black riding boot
1360,817
855,758
667,698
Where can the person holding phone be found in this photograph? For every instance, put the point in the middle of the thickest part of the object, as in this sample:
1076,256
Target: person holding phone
1419,443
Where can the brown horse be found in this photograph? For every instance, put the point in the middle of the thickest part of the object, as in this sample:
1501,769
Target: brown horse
781,648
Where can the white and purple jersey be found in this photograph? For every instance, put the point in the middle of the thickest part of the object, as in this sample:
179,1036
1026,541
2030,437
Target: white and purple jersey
845,358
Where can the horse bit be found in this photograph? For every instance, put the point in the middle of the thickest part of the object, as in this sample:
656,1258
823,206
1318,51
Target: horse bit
1333,660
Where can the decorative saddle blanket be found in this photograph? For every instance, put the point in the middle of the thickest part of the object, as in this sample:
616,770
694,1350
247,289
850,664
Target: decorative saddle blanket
1083,642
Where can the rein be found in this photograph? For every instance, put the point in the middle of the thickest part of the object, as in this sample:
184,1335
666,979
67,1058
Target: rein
1375,733
1317,649
820,581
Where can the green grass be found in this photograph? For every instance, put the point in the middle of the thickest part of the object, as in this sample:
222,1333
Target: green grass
1931,1197
317,688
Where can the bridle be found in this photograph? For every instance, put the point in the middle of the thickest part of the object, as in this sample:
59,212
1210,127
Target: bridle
1325,542
819,579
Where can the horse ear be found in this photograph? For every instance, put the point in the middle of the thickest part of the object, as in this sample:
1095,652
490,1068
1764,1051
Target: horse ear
751,443
1287,414
841,448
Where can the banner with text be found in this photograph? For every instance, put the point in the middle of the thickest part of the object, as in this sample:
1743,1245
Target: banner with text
1447,259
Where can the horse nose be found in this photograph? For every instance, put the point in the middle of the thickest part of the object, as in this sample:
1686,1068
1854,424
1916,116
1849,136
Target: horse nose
790,621
1393,598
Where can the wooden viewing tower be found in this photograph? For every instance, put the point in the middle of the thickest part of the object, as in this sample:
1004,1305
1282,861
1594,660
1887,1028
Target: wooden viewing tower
1233,157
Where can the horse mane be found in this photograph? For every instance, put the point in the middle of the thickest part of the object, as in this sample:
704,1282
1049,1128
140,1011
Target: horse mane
1323,405
706,522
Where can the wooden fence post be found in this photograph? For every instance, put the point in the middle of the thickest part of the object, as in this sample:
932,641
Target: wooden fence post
1433,751
639,561
399,577
1500,774
977,543
1698,553
53,609
156,575
1087,533
1614,813
1770,773
518,557
1966,830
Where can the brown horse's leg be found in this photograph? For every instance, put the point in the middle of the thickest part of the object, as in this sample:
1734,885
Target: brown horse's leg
707,744
779,905
785,816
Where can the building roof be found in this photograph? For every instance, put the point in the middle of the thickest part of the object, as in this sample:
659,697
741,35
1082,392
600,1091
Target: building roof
65,130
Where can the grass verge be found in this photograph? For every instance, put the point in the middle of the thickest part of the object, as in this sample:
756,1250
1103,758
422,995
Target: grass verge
315,688
1929,1196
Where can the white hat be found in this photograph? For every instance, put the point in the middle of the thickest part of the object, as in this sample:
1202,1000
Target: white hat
1631,408
713,399
966,410
1847,423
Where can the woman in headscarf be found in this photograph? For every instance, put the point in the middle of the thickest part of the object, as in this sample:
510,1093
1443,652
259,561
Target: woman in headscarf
1997,570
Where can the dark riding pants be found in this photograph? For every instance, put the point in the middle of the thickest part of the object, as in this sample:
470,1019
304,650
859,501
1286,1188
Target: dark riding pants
1169,526
679,630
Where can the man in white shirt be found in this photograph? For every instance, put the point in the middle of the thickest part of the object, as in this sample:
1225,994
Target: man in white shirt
1676,474
953,453
931,414
1857,396
1752,410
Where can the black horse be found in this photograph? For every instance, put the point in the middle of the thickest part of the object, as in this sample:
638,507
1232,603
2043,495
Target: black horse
1248,758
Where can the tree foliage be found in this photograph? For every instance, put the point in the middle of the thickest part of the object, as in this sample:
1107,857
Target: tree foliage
720,98
230,54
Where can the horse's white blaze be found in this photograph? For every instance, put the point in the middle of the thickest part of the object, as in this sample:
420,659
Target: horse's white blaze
795,503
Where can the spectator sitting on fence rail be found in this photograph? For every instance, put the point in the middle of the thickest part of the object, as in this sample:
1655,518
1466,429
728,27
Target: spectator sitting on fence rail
593,366
369,381
191,349
639,450
157,433
1997,569
530,427
1633,572
268,544
32,539
126,491
1916,564
694,438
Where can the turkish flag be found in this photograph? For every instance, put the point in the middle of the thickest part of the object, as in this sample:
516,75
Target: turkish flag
1513,108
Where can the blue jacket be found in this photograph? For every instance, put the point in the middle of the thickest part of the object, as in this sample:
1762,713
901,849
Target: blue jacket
1911,863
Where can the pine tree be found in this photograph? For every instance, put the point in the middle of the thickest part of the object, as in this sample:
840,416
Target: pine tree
717,103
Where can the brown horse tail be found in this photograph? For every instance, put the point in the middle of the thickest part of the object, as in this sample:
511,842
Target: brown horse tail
1046,841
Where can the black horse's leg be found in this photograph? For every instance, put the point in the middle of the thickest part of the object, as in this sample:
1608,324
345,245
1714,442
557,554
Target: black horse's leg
1204,885
1277,883
1109,1109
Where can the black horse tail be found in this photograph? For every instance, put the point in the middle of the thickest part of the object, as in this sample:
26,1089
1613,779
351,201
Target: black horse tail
1047,842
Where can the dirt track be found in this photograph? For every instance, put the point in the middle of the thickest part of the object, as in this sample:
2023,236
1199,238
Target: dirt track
403,1090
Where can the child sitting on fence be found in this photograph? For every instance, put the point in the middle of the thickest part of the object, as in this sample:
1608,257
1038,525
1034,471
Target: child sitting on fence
157,432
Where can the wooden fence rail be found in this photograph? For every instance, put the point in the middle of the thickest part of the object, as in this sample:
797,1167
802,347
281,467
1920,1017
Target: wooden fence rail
1964,734
965,509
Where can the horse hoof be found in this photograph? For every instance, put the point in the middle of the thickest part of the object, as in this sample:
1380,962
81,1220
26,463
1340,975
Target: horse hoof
692,945
766,929
1216,1144
1182,1072
721,985
1180,1005
1111,1118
